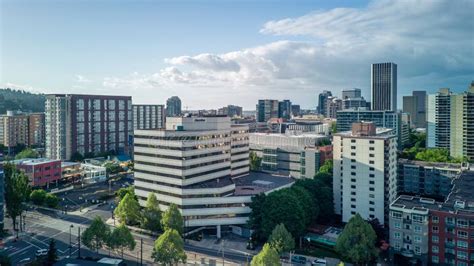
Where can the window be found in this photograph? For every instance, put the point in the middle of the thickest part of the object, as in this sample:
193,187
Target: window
417,218
371,175
371,141
371,203
353,186
353,193
435,239
435,229
397,225
353,173
435,219
371,182
353,154
435,259
462,223
353,147
396,235
396,215
371,162
371,209
371,148
353,167
371,155
462,254
417,229
353,160
435,249
371,169
353,180
353,206
397,245
462,234
353,200
450,220
371,189
371,196
462,244
353,141
417,239
417,250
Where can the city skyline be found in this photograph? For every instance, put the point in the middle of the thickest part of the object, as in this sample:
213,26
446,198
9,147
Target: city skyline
254,50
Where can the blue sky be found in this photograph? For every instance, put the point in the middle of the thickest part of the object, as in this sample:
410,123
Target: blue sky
214,53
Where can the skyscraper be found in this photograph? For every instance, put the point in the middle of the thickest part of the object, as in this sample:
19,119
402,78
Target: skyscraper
87,124
267,109
415,105
351,93
284,109
322,99
384,86
173,106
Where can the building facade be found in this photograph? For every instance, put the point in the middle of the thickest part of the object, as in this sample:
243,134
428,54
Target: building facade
384,86
173,107
333,105
148,116
322,99
365,170
230,111
267,109
2,196
415,105
351,93
14,126
295,155
87,124
41,172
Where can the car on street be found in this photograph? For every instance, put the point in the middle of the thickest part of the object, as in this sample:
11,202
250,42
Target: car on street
319,262
298,259
41,252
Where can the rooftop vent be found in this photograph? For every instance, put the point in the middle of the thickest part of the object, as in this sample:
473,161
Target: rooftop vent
459,204
428,201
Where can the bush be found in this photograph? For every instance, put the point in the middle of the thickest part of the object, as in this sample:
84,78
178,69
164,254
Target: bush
38,196
51,200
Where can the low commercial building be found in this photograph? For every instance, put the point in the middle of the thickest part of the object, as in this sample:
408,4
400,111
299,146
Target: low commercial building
41,171
201,165
93,173
428,179
71,171
295,155
429,232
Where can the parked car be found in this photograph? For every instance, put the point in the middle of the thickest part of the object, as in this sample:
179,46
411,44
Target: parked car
298,259
41,252
319,262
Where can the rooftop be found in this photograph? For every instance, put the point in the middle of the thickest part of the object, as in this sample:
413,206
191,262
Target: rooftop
257,182
33,161
302,135
380,133
455,166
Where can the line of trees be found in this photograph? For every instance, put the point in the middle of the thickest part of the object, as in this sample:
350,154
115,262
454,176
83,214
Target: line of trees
17,191
41,197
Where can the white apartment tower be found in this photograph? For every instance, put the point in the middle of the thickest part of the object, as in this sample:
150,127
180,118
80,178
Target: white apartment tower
365,169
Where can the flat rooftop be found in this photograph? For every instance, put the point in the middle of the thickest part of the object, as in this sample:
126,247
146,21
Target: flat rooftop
302,135
257,182
380,133
33,161
454,166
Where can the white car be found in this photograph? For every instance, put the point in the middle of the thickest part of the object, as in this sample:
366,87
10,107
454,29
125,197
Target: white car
319,262
41,252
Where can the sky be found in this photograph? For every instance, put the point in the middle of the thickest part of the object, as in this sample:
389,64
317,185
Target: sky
215,53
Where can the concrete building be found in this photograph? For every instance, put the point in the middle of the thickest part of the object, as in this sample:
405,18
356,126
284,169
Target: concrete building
173,107
284,109
387,119
439,119
201,164
333,105
14,126
383,82
295,110
295,155
354,103
415,105
87,124
351,93
41,172
148,116
428,232
230,111
322,100
365,170
426,179
92,173
267,109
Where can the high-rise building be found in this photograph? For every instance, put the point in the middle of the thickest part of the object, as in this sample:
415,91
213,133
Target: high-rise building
36,129
267,109
148,116
351,93
173,106
415,105
284,109
201,164
322,100
384,86
2,196
295,109
387,119
450,122
365,171
14,126
426,231
230,111
333,104
87,124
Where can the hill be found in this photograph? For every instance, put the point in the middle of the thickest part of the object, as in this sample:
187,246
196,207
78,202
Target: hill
20,100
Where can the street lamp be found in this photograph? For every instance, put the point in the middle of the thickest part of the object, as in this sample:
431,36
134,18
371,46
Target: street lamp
70,240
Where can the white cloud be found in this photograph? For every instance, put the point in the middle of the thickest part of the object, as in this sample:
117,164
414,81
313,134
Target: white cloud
82,79
431,41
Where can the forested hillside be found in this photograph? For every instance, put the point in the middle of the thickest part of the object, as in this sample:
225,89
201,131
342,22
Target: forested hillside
20,100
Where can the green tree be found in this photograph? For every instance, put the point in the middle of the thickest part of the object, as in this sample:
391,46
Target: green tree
255,161
321,193
356,243
151,214
169,248
172,219
38,196
52,255
121,238
326,167
5,259
128,210
17,190
77,157
255,217
334,128
120,194
27,153
281,240
51,200
96,235
266,257
112,167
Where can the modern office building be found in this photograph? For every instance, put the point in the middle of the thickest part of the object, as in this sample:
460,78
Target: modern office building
173,107
415,105
267,109
284,109
230,111
41,172
354,103
295,110
333,105
201,164
148,116
295,155
426,179
365,171
322,99
384,86
450,122
428,232
87,124
351,93
387,119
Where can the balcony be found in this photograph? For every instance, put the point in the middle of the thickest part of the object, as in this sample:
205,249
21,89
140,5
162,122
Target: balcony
407,221
449,245
407,241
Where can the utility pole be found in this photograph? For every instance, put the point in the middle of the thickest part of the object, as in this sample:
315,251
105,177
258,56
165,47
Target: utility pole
79,242
141,251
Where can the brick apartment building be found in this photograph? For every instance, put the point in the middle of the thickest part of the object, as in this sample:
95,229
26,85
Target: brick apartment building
41,172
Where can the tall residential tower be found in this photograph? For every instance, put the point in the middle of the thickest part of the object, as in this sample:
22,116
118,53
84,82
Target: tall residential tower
384,86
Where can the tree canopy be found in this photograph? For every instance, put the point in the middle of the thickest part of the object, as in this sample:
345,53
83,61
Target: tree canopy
281,240
27,153
11,99
151,214
169,248
96,235
121,238
268,256
17,190
52,255
255,161
172,219
356,243
128,210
